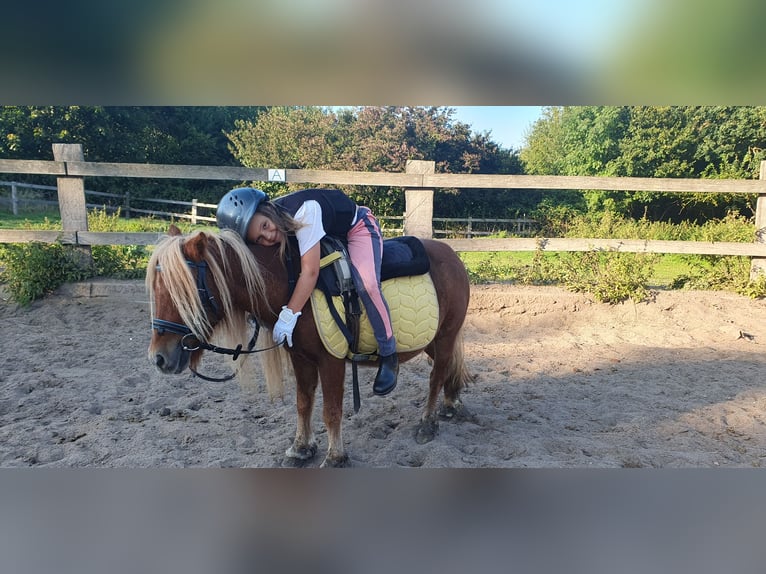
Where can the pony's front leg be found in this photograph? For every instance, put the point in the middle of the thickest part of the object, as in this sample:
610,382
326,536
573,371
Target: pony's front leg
304,446
332,373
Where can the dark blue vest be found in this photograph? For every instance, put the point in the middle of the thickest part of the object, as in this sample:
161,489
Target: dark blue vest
338,210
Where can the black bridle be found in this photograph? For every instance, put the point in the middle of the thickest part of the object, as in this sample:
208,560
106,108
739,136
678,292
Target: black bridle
191,342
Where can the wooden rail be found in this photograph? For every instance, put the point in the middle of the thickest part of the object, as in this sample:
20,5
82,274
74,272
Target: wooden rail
419,181
405,180
89,238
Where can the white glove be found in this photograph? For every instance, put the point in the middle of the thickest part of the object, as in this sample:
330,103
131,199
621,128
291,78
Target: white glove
285,325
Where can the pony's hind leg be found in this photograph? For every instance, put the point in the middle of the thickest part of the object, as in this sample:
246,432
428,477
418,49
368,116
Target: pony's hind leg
429,425
304,446
449,374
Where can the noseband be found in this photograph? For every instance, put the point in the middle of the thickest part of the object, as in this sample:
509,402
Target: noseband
190,342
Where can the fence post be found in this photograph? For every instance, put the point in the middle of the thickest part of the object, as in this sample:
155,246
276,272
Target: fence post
419,202
194,212
71,195
14,199
127,205
758,264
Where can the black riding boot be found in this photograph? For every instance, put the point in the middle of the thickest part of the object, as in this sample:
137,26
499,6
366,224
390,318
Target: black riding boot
388,371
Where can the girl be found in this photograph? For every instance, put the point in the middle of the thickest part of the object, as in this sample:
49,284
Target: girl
309,215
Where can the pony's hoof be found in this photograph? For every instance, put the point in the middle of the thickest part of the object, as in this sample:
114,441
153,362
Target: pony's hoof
426,431
302,453
336,462
456,412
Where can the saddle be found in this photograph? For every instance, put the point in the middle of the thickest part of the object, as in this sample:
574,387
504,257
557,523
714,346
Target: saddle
341,319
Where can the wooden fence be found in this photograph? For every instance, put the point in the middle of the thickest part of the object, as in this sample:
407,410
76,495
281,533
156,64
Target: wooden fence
418,182
38,198
113,202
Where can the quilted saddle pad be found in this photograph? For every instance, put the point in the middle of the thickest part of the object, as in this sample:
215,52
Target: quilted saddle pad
414,315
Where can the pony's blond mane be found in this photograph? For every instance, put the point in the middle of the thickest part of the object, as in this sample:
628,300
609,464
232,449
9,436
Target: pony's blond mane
222,251
180,283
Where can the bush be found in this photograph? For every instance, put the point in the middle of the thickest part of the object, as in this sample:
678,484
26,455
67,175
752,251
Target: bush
725,273
119,261
489,270
609,276
543,269
32,270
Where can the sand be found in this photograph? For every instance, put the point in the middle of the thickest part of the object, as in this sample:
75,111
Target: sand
561,381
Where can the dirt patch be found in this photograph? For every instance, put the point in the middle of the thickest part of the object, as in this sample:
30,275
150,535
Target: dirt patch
561,381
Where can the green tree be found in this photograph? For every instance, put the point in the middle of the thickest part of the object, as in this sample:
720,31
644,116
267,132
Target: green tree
693,142
369,139
544,152
172,135
644,141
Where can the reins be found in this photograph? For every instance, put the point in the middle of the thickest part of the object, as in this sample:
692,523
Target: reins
236,352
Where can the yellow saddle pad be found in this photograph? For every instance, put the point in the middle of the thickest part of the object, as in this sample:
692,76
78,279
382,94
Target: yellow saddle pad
414,315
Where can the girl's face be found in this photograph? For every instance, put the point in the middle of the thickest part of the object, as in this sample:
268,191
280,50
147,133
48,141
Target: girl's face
262,231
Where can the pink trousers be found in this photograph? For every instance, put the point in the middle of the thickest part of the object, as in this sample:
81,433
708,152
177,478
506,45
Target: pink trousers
365,249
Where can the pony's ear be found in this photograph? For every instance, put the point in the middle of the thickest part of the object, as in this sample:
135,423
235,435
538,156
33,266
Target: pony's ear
173,230
196,246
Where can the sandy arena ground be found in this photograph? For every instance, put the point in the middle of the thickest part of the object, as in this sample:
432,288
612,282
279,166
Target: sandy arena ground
560,381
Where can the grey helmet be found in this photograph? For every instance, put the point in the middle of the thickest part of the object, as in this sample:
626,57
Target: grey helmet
237,207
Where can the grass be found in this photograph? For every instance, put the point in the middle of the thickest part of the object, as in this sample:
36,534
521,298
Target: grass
98,220
42,220
668,268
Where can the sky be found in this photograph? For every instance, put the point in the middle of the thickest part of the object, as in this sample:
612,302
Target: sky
506,125
347,52
575,31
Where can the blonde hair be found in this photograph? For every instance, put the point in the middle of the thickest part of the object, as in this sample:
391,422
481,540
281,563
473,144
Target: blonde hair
170,262
181,284
282,220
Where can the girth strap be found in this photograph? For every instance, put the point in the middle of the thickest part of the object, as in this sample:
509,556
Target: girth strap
335,279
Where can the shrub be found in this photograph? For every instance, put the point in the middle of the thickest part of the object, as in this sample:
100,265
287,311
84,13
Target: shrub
32,270
543,270
724,273
489,270
119,261
609,276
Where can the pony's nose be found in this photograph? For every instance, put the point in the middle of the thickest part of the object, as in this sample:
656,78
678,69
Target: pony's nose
159,360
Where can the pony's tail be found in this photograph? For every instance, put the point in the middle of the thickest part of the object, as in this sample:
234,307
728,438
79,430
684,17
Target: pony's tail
458,375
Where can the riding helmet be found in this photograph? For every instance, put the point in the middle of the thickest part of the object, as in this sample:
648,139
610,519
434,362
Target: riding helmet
237,207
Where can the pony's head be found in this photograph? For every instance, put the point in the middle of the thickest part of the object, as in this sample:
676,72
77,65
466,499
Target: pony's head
200,286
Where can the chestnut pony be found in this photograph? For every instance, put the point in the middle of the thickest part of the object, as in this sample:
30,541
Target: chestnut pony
207,285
